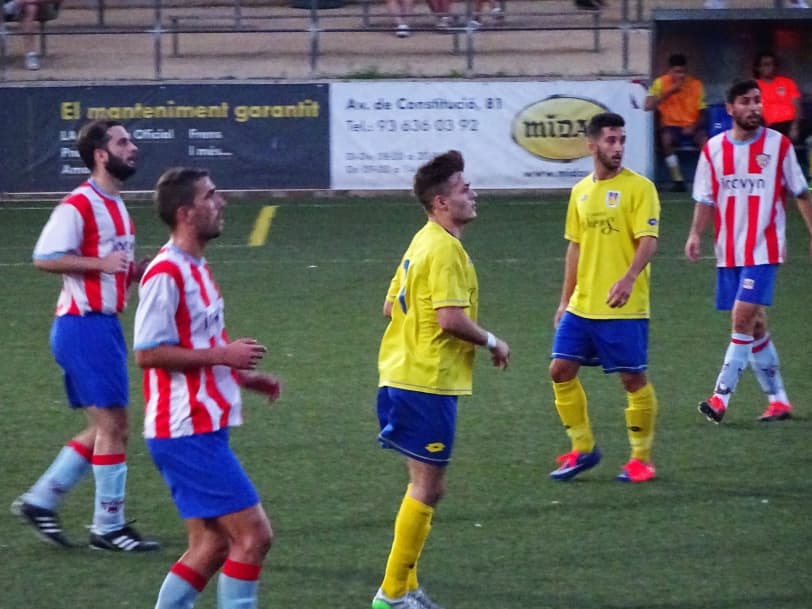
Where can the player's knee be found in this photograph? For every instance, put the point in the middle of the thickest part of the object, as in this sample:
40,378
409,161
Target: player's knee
562,371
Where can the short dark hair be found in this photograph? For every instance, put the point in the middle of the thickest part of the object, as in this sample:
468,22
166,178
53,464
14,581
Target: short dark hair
740,87
432,178
176,189
91,137
761,56
595,126
677,60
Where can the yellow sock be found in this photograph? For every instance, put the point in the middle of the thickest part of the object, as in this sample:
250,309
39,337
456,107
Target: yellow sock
640,415
411,581
412,526
570,401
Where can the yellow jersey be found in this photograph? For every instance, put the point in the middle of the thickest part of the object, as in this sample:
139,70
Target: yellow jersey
605,218
415,353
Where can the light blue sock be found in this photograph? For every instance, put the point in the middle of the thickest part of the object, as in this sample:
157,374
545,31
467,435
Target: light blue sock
108,509
233,593
738,352
176,593
765,364
63,474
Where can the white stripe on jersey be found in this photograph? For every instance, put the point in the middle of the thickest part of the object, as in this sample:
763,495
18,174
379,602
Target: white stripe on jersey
747,184
180,304
89,223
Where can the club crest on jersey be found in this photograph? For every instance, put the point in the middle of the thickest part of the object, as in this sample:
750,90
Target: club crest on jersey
762,160
612,198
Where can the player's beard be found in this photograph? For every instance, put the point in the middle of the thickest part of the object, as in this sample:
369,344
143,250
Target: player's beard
608,162
747,124
117,168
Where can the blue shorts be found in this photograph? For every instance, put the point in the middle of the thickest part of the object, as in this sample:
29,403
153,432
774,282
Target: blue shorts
93,355
419,425
619,345
203,474
753,284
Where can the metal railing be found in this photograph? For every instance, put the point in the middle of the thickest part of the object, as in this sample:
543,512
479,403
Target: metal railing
168,22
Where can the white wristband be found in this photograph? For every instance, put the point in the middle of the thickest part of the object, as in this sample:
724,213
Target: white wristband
490,342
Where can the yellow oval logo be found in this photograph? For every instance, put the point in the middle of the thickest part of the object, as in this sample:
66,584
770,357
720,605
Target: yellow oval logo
554,129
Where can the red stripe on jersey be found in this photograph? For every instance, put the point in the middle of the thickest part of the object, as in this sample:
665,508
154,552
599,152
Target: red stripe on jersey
771,237
121,230
753,203
199,280
730,237
755,150
728,164
162,408
90,248
201,420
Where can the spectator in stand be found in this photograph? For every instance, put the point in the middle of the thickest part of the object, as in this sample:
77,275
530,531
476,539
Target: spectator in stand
442,10
679,100
27,12
484,11
400,11
780,97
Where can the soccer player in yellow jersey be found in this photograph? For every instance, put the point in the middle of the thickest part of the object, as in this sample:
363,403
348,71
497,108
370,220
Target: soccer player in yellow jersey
426,361
602,319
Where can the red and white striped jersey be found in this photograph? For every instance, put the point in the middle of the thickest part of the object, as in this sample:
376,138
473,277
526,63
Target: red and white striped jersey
89,223
180,304
747,183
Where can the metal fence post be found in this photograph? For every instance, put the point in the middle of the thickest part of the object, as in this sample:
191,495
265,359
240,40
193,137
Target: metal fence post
156,37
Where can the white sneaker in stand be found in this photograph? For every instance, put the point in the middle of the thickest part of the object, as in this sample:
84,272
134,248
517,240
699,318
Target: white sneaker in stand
31,61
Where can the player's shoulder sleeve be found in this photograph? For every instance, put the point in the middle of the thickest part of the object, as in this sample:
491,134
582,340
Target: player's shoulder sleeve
704,176
572,223
792,88
63,232
158,300
794,179
646,221
447,277
656,87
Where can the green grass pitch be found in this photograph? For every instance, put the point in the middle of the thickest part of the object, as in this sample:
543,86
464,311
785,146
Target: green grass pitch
724,526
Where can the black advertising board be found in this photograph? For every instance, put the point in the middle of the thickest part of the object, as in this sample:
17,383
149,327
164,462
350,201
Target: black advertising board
257,136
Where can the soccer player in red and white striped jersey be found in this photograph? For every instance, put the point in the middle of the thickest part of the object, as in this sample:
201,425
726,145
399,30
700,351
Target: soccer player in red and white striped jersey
742,179
90,240
192,379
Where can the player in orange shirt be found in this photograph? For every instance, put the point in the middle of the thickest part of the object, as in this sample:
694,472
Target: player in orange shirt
679,100
780,97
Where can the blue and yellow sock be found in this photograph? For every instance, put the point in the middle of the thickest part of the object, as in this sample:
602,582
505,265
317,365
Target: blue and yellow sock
570,401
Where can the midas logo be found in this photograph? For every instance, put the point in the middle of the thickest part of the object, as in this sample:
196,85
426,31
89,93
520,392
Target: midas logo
555,128
435,447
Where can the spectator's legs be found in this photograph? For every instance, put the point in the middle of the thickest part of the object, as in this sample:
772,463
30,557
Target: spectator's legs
27,18
671,160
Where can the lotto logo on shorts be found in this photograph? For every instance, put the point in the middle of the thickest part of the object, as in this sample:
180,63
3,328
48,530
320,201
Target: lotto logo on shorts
748,284
435,447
